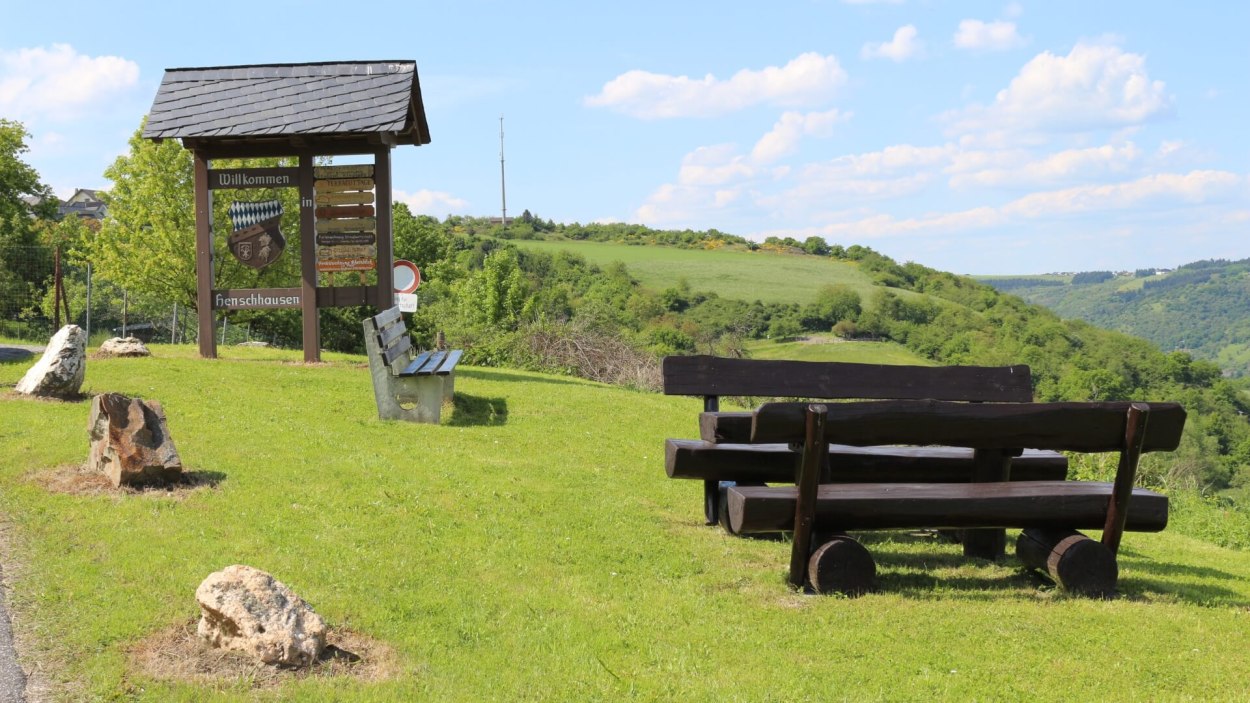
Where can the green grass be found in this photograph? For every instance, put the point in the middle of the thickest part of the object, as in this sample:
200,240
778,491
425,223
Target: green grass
764,276
531,548
833,349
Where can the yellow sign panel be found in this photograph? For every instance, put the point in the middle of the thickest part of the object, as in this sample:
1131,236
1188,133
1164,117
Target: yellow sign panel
340,184
347,251
349,224
361,198
362,171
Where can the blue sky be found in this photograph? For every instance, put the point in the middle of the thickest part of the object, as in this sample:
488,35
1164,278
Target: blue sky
1016,137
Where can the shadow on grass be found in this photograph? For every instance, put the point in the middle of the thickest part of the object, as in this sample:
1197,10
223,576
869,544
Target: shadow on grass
476,411
946,573
497,375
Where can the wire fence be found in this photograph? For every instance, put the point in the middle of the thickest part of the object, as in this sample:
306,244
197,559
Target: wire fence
29,309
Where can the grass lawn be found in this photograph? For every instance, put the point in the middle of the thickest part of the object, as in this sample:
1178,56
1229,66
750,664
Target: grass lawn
531,548
744,275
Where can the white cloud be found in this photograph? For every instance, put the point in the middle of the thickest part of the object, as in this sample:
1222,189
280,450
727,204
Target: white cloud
808,78
1094,86
431,202
59,83
784,137
903,46
1017,167
1155,189
713,166
987,36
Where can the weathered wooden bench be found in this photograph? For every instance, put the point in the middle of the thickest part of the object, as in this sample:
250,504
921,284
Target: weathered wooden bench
722,457
1050,512
407,385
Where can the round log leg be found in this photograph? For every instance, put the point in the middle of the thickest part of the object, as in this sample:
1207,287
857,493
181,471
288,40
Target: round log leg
841,565
1075,562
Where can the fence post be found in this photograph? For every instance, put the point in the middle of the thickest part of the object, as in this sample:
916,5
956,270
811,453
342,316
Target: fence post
88,300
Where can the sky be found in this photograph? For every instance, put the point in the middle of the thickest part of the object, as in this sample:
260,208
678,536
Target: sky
972,137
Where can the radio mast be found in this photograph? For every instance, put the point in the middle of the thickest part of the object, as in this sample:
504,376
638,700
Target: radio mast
503,191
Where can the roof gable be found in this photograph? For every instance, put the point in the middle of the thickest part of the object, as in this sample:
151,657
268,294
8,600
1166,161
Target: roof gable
311,100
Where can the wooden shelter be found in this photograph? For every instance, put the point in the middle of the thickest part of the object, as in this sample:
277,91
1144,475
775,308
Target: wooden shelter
306,111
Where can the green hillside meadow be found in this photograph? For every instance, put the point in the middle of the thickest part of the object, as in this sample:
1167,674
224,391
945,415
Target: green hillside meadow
765,276
530,548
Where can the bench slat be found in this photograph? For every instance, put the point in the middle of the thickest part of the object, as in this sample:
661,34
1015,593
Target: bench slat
1083,427
411,369
775,463
398,350
389,333
718,376
388,316
1048,504
449,364
432,364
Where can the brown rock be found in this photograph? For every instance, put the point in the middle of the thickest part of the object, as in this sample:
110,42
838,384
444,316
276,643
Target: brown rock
247,610
130,441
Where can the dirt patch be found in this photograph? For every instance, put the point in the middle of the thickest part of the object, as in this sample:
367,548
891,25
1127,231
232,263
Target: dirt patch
176,654
81,481
14,395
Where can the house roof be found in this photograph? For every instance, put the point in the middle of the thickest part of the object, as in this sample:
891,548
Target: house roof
301,103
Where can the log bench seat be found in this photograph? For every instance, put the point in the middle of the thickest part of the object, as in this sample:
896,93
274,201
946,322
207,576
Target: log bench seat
727,454
407,385
1050,512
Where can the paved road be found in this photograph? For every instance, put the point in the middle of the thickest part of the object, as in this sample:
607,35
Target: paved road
12,678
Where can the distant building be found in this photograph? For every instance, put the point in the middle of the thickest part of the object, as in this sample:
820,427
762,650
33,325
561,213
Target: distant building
84,203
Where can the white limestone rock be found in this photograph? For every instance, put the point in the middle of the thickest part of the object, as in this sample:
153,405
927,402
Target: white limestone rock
246,609
60,371
124,346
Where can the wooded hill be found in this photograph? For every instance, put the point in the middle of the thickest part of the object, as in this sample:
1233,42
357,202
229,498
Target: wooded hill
1202,308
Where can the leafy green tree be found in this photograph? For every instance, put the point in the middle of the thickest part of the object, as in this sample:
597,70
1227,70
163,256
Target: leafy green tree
18,232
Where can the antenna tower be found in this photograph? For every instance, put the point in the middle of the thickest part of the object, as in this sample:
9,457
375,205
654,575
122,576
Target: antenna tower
503,191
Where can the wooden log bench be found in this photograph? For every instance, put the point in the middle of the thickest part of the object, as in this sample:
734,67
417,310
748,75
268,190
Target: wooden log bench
407,385
1051,512
723,457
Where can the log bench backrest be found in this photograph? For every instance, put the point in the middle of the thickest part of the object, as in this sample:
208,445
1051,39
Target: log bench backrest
1079,427
712,377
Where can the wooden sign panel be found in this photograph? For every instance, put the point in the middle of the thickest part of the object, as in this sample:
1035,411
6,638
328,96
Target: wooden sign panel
359,198
253,178
361,171
332,239
362,251
249,299
335,213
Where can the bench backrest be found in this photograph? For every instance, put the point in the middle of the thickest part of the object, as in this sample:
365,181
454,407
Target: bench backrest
1081,427
392,336
712,376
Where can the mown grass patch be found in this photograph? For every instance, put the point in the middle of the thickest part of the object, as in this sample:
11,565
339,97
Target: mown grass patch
531,548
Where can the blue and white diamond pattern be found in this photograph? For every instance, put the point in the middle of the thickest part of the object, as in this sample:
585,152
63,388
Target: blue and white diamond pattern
245,214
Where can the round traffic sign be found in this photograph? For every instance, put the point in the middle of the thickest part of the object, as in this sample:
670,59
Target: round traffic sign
406,276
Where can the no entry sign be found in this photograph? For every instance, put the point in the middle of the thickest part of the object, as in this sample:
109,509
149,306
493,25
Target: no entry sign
406,275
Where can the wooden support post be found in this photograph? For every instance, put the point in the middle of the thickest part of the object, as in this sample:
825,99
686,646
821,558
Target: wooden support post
204,257
1073,561
308,261
711,489
1126,473
841,565
815,454
988,465
385,295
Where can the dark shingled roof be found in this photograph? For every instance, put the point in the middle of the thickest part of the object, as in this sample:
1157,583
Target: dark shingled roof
330,100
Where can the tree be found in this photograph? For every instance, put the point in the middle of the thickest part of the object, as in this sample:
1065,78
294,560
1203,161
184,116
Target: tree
19,241
147,244
18,179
